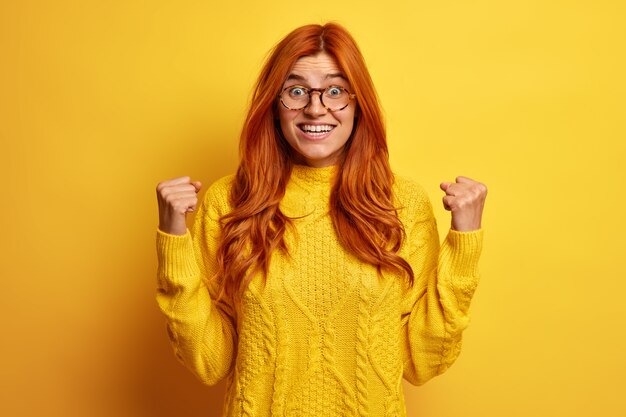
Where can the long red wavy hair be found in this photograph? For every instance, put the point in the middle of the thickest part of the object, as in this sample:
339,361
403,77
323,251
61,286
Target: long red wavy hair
361,205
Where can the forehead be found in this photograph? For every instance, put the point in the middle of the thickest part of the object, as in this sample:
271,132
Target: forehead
316,67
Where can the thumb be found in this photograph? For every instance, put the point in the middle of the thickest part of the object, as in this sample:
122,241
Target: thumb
197,185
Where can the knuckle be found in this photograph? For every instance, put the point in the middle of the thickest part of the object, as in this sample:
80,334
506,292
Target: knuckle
480,190
179,207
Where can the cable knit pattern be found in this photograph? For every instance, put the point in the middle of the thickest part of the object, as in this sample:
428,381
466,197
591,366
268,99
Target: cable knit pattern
280,376
362,334
326,336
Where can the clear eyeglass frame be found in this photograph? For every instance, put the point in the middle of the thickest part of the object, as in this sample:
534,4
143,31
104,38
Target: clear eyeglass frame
321,91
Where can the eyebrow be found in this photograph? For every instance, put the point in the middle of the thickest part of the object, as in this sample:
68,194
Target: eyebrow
332,75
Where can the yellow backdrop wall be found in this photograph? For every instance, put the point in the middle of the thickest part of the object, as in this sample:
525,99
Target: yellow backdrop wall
99,101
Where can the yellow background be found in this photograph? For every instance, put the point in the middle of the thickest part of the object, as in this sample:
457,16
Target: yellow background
99,101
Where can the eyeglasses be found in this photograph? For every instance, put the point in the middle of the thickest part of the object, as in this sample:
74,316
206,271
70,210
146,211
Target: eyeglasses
333,98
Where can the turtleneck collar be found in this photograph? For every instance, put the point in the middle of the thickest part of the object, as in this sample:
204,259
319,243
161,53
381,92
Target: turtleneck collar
308,191
314,176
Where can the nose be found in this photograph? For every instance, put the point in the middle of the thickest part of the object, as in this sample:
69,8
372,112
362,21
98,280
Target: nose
315,106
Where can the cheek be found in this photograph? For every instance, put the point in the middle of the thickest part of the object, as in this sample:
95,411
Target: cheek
350,120
285,122
350,125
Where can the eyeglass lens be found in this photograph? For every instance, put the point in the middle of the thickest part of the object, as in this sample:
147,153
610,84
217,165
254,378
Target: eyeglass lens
298,97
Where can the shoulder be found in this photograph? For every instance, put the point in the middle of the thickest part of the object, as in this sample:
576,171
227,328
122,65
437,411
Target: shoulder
216,199
411,200
408,192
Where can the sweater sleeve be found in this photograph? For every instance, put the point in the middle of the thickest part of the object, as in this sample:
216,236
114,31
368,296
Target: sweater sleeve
201,330
435,310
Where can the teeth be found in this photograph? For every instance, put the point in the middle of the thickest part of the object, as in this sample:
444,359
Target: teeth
317,128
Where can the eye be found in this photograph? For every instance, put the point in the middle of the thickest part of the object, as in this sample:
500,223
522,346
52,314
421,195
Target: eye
334,91
297,91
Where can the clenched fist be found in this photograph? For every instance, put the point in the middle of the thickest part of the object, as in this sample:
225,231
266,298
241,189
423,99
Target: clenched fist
465,198
176,198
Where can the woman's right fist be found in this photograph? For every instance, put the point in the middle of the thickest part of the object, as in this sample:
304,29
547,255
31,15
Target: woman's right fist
176,198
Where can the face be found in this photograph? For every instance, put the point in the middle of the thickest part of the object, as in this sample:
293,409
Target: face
317,149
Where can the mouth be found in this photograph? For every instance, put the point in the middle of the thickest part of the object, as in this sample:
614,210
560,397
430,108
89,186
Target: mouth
316,131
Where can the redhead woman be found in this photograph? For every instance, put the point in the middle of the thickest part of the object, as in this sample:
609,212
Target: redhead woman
313,279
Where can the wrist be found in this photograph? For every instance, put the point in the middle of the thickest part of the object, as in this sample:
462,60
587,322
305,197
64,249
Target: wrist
177,229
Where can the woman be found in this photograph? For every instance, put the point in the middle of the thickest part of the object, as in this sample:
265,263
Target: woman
313,279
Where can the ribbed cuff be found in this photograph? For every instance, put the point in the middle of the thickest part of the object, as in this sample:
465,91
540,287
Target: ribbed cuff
175,255
461,251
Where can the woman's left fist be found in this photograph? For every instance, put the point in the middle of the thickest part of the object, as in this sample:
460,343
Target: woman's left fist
465,198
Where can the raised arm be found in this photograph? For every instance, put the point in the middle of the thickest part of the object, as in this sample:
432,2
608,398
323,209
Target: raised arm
435,311
201,330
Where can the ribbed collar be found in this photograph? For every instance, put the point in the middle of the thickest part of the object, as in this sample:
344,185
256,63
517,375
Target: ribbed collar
316,177
308,190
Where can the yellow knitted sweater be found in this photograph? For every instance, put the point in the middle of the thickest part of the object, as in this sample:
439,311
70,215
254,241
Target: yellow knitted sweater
326,336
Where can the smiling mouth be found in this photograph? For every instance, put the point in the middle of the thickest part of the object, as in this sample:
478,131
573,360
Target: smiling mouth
316,130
